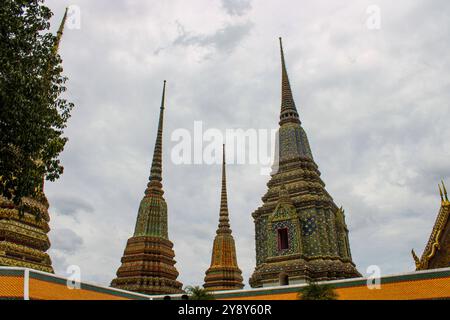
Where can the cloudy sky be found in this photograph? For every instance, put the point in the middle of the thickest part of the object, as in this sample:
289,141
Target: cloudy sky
374,102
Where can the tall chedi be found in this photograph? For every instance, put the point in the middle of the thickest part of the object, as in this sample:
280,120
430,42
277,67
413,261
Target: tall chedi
23,237
301,234
148,264
224,273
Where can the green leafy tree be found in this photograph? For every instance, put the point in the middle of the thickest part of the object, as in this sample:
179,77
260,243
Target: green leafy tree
198,293
33,114
315,291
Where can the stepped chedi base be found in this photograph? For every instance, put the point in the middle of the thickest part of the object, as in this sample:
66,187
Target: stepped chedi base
148,264
148,267
301,234
224,273
23,239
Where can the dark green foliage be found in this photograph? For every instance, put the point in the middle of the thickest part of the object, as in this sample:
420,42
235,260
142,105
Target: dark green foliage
316,291
32,113
198,293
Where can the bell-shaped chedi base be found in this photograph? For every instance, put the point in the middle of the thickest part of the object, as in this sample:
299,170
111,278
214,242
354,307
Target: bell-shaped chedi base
148,267
301,235
23,239
224,273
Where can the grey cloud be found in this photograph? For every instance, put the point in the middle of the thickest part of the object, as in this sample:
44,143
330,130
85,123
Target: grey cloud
223,40
236,7
59,261
66,241
70,206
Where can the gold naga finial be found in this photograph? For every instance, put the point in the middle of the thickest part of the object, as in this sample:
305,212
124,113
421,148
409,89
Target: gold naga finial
440,192
445,191
341,211
416,259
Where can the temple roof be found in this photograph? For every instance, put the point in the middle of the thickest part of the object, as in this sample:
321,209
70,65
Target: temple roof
436,253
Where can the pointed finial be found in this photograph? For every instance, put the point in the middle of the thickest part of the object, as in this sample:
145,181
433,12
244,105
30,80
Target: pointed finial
281,49
445,190
288,109
416,259
155,186
163,99
223,152
283,61
60,32
224,221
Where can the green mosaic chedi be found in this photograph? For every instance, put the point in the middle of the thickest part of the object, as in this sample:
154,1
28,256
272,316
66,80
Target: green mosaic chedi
301,234
148,264
152,214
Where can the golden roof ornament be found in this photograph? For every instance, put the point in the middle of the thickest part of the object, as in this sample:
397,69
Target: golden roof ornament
436,253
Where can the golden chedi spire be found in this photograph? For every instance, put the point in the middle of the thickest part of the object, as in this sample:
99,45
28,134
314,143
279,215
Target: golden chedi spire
224,273
60,32
23,236
148,264
224,221
154,186
437,252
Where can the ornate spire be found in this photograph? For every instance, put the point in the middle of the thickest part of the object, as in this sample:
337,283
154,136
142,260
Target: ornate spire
148,264
60,32
288,109
224,272
155,186
292,239
224,221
